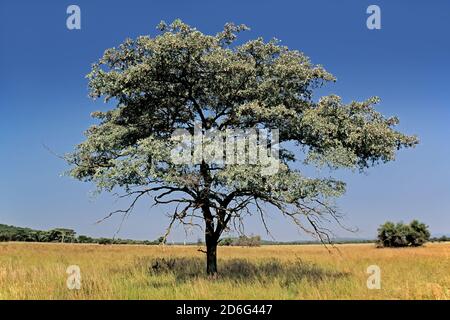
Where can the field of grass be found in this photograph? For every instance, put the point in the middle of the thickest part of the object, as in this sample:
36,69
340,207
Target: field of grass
38,271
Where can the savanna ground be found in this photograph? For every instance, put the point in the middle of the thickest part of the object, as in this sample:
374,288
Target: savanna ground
38,271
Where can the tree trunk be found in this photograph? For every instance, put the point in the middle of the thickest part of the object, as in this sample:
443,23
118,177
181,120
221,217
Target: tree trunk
211,255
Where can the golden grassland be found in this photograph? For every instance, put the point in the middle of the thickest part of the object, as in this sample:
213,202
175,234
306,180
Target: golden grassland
38,271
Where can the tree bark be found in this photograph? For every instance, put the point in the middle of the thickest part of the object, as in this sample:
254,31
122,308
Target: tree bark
211,239
211,254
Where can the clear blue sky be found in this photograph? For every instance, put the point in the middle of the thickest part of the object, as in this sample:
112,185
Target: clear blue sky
43,100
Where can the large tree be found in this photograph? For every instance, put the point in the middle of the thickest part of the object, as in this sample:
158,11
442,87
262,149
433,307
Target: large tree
183,77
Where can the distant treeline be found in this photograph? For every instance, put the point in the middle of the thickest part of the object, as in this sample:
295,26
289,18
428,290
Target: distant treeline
305,242
12,233
256,241
440,239
241,241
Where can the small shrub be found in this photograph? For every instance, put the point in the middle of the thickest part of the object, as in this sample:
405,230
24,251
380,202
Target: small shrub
403,235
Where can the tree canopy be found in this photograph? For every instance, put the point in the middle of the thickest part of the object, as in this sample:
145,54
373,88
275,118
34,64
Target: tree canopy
181,78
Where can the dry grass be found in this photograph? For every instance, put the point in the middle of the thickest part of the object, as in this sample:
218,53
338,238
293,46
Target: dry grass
38,271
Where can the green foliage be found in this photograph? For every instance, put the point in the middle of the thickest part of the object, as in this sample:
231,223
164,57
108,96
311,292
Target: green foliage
226,242
85,239
402,235
61,235
105,241
242,241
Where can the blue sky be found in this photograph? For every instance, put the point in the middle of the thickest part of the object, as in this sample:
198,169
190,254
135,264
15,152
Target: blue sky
44,101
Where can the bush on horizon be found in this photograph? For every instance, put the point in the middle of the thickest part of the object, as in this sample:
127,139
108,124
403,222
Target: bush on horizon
414,234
